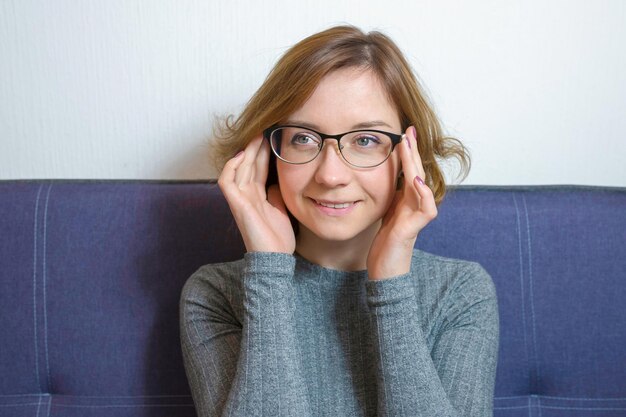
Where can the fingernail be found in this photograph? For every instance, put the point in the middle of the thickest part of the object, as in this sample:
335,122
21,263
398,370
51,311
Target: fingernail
238,154
414,132
418,179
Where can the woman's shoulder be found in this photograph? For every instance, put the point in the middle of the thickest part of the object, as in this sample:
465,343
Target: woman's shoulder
215,291
228,274
222,277
220,269
451,275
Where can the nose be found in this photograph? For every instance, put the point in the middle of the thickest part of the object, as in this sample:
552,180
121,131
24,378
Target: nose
332,170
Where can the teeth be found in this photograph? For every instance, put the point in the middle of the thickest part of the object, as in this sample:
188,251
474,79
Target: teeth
336,206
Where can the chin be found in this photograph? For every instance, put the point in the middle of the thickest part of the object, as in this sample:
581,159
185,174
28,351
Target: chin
340,232
334,235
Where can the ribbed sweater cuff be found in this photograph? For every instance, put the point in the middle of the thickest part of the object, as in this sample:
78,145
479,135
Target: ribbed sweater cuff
387,292
275,263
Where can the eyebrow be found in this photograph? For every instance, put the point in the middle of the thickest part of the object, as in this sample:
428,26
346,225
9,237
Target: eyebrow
362,125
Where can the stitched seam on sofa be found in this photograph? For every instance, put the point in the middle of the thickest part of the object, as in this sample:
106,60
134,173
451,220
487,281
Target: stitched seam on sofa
121,405
38,406
119,396
45,304
49,405
561,408
584,398
35,287
563,398
521,274
531,296
517,407
213,182
584,408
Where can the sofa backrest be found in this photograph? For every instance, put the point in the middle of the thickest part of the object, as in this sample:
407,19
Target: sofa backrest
91,273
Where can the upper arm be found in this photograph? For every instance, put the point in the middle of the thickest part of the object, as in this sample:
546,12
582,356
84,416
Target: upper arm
465,352
210,339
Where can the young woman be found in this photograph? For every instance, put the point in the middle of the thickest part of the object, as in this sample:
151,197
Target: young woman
332,312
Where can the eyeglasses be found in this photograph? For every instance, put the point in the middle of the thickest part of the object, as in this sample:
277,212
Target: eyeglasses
359,148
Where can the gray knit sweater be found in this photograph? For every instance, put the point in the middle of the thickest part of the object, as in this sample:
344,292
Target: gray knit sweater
276,335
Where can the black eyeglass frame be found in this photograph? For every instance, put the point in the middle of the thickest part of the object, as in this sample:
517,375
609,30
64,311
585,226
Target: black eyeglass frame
395,139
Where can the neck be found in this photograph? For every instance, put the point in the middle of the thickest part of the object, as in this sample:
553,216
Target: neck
344,255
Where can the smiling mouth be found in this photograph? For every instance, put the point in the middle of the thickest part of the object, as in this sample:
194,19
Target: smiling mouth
334,205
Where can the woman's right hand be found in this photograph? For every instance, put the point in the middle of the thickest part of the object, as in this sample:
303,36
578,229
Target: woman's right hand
261,216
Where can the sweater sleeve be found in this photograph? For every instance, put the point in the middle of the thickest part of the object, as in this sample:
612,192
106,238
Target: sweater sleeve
455,378
248,369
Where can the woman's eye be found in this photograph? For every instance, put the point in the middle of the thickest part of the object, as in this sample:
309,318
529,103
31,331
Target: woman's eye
303,140
365,141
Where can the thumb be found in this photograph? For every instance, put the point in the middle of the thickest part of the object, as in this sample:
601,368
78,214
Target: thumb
275,198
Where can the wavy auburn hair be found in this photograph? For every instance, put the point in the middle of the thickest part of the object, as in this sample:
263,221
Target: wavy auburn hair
298,72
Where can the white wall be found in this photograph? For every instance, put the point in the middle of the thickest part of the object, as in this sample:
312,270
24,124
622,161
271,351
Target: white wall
127,89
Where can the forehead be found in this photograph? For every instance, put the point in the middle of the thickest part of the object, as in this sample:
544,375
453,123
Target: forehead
346,98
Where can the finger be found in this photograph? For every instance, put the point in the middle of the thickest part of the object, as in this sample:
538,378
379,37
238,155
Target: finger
428,207
409,167
404,151
227,176
245,172
262,164
411,133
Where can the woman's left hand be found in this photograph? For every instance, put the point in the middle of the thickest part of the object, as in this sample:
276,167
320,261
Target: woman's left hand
413,207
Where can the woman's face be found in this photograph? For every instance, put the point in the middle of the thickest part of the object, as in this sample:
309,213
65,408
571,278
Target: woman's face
344,99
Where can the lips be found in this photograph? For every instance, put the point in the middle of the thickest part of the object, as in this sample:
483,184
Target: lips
335,208
334,205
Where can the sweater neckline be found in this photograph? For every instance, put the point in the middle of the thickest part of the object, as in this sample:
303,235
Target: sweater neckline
319,271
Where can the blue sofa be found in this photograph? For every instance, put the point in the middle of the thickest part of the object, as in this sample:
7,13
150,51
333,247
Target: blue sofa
91,273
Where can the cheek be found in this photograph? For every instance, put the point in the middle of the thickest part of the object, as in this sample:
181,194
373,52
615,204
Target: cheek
392,171
291,181
396,168
381,183
283,181
395,162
